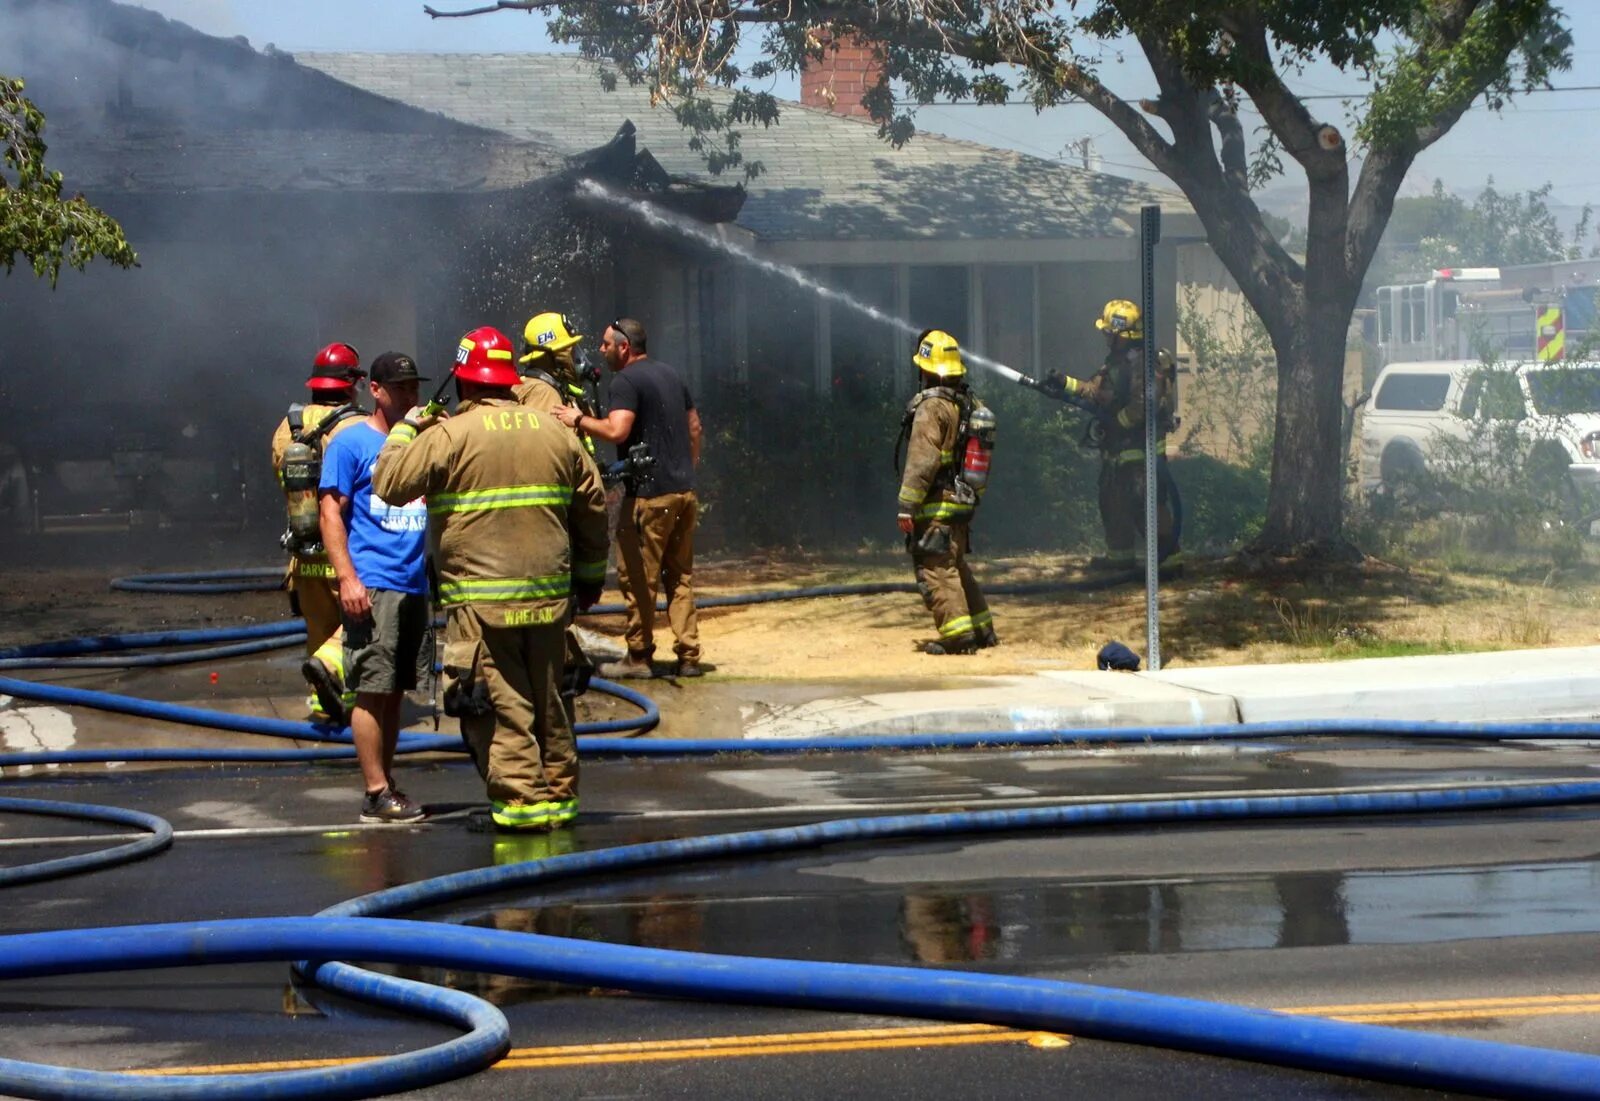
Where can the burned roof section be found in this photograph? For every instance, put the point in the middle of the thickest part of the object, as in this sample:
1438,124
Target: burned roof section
825,176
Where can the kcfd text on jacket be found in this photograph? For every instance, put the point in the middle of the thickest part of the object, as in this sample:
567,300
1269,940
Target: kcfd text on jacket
504,484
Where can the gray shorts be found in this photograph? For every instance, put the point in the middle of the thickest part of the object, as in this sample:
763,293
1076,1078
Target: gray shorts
392,651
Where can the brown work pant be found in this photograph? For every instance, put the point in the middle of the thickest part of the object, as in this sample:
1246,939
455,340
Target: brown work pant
524,746
948,588
318,598
1122,508
655,552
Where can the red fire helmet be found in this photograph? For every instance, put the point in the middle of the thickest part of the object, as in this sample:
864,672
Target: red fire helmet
484,356
336,367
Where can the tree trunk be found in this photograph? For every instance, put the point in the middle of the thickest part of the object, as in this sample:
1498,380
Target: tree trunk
1305,501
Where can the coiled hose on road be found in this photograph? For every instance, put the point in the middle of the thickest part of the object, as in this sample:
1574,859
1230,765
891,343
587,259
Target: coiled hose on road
1335,1047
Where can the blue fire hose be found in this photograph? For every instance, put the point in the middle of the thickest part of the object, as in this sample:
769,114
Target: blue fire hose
1430,1061
160,836
1320,1045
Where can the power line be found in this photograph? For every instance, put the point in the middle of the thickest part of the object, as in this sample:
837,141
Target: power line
1303,99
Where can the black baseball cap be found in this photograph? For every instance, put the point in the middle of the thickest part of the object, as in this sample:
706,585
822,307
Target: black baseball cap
395,367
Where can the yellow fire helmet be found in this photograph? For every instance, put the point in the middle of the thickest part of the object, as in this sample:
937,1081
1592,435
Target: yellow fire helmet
939,354
548,332
1122,318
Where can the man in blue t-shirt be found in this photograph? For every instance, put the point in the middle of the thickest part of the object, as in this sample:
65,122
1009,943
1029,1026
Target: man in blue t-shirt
378,553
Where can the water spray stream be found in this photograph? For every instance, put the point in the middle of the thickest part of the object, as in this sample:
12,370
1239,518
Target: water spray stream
687,227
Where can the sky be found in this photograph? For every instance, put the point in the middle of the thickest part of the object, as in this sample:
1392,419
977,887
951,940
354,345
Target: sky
1528,145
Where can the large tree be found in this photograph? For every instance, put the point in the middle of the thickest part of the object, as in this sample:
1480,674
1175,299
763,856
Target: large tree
37,223
1424,63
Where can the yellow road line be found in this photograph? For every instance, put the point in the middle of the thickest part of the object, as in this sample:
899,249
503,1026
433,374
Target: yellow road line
1472,1014
855,1039
1455,1003
932,1035
729,1052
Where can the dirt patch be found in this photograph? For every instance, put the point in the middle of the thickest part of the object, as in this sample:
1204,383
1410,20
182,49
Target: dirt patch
1209,617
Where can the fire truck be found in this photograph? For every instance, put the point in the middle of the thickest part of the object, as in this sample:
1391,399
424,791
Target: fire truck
1530,312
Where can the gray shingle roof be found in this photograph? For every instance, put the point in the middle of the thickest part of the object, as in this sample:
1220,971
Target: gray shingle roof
825,177
303,160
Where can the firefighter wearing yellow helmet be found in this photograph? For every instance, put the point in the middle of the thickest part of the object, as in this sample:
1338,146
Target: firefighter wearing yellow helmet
551,374
1115,393
948,434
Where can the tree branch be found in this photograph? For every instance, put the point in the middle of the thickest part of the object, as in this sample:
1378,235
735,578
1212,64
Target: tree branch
502,5
1318,147
1387,163
1230,135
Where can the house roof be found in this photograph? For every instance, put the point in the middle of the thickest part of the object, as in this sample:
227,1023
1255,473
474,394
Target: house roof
825,176
138,103
303,160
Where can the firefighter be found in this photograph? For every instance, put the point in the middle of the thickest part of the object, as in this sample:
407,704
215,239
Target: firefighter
518,522
313,589
936,504
1116,394
551,375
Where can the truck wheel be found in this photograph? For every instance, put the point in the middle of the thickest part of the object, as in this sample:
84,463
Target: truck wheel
1550,480
1403,474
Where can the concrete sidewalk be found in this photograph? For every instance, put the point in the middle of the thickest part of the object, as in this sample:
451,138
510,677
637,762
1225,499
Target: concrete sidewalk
1514,684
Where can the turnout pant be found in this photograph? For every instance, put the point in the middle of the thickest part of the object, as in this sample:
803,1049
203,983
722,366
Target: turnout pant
505,685
316,595
1122,507
945,580
655,552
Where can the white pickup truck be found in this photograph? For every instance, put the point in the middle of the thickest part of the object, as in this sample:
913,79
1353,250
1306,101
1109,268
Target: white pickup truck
1422,413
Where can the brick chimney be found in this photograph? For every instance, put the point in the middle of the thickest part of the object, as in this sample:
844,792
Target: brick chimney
848,70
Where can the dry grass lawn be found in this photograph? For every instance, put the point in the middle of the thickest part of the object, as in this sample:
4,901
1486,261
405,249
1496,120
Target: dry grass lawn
1210,617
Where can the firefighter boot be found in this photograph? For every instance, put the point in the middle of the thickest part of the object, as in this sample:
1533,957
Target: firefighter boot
324,671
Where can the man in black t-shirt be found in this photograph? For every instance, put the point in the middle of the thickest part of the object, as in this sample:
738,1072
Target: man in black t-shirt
655,540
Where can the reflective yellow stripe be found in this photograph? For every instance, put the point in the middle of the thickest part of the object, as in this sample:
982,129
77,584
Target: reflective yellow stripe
331,654
1127,418
910,498
504,589
1136,454
943,510
960,625
480,500
980,620
533,814
403,433
590,571
946,458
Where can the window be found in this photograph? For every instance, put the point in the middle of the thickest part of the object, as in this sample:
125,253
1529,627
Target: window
1008,315
1413,391
1414,315
1385,315
1561,391
783,334
939,299
864,351
1502,396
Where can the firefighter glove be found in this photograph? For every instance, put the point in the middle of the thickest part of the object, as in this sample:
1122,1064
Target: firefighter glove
587,593
904,523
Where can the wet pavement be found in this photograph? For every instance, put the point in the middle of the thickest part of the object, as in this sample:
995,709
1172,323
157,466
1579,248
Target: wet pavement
1476,924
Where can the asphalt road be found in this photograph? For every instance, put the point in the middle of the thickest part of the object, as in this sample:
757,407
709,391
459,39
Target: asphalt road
1482,925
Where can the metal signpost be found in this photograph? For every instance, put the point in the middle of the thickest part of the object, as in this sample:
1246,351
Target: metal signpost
1149,234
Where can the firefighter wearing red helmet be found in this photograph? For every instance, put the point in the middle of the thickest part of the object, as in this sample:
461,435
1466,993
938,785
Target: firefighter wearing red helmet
517,516
297,447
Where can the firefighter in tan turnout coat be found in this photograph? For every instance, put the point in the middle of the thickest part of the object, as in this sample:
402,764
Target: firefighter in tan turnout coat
517,520
314,593
939,490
